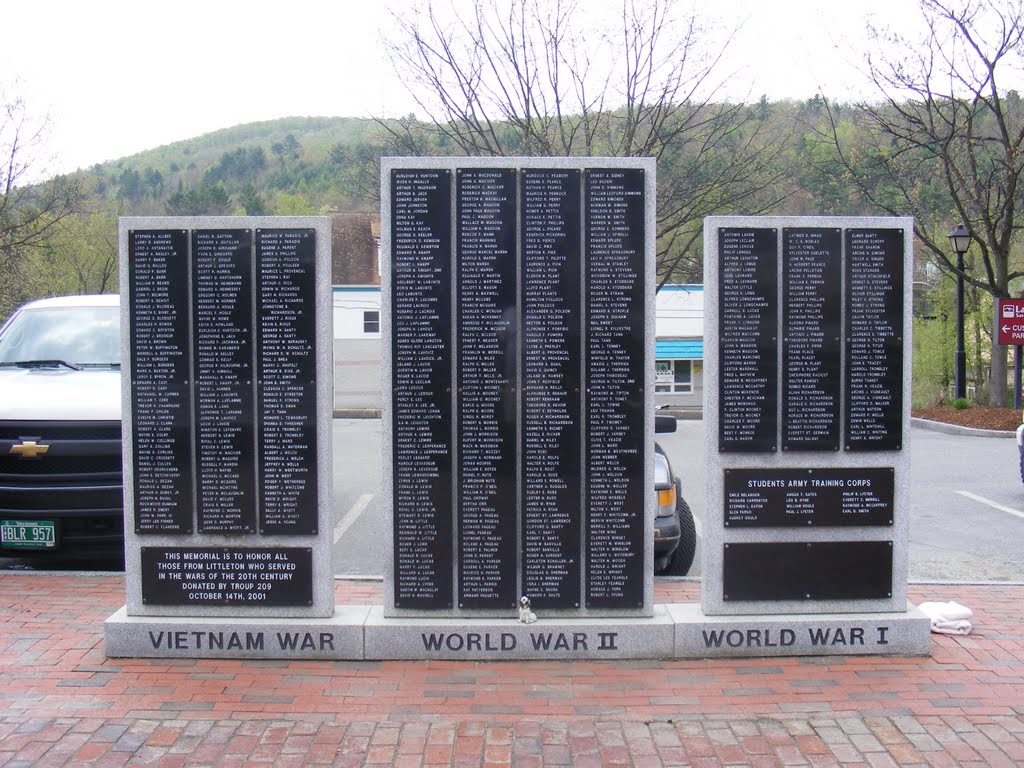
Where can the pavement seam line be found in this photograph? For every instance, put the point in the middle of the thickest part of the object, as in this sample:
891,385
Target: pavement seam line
352,515
990,503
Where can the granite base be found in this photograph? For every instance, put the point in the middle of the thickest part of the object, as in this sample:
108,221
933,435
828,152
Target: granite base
362,632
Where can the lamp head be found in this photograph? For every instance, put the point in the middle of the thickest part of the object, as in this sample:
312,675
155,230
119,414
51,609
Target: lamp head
960,238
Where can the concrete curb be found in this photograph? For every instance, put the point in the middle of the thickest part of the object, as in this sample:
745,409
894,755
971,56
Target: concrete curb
686,414
357,413
953,429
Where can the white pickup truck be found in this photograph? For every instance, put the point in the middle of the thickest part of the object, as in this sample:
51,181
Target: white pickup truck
60,429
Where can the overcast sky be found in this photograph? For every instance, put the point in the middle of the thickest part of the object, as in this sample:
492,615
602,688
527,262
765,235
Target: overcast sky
117,77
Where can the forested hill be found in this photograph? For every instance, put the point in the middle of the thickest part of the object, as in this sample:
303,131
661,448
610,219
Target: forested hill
295,165
310,165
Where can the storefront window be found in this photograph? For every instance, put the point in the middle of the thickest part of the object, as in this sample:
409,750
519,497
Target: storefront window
371,321
674,376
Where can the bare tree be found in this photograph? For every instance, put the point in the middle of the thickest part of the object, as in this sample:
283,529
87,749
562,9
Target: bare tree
557,78
84,253
30,209
946,144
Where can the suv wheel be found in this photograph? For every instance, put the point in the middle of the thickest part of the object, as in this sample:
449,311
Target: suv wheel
681,560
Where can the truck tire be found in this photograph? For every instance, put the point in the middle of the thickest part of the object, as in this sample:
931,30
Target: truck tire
681,560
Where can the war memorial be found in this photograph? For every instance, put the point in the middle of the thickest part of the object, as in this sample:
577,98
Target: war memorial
518,428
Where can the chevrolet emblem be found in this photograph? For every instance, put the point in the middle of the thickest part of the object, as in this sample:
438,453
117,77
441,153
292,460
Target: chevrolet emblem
29,449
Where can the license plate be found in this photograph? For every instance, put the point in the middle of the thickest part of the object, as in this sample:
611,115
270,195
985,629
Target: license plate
28,534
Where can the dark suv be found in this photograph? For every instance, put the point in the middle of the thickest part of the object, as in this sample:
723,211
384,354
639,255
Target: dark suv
675,535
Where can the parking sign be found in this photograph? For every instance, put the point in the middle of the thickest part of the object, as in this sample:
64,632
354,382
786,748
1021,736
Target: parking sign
1010,321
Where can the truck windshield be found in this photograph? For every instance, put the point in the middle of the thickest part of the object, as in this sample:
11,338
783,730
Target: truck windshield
83,336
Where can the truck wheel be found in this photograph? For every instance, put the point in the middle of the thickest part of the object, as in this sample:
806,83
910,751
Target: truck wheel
681,560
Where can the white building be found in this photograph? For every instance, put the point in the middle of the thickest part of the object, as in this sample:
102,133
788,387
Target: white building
679,347
357,347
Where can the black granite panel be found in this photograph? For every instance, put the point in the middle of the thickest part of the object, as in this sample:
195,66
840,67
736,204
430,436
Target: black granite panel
756,498
487,376
811,348
161,396
286,381
874,340
222,362
421,337
615,444
833,570
748,340
552,513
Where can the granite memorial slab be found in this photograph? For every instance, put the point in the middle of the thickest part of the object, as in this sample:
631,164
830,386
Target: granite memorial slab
227,385
807,405
519,422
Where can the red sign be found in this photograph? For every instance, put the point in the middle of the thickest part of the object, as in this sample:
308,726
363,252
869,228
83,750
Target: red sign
1010,321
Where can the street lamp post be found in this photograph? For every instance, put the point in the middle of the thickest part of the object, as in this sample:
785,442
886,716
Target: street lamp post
961,240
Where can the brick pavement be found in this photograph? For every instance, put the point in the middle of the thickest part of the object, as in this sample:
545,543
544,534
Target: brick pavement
64,703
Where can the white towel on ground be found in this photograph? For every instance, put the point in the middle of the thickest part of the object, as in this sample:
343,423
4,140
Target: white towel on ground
948,618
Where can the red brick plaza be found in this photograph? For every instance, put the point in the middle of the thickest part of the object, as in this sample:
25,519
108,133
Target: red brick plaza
64,703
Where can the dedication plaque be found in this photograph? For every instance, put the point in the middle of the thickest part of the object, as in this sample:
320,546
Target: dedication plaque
222,359
824,570
874,340
421,328
811,348
487,376
161,394
552,514
615,442
252,577
286,380
748,340
840,496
